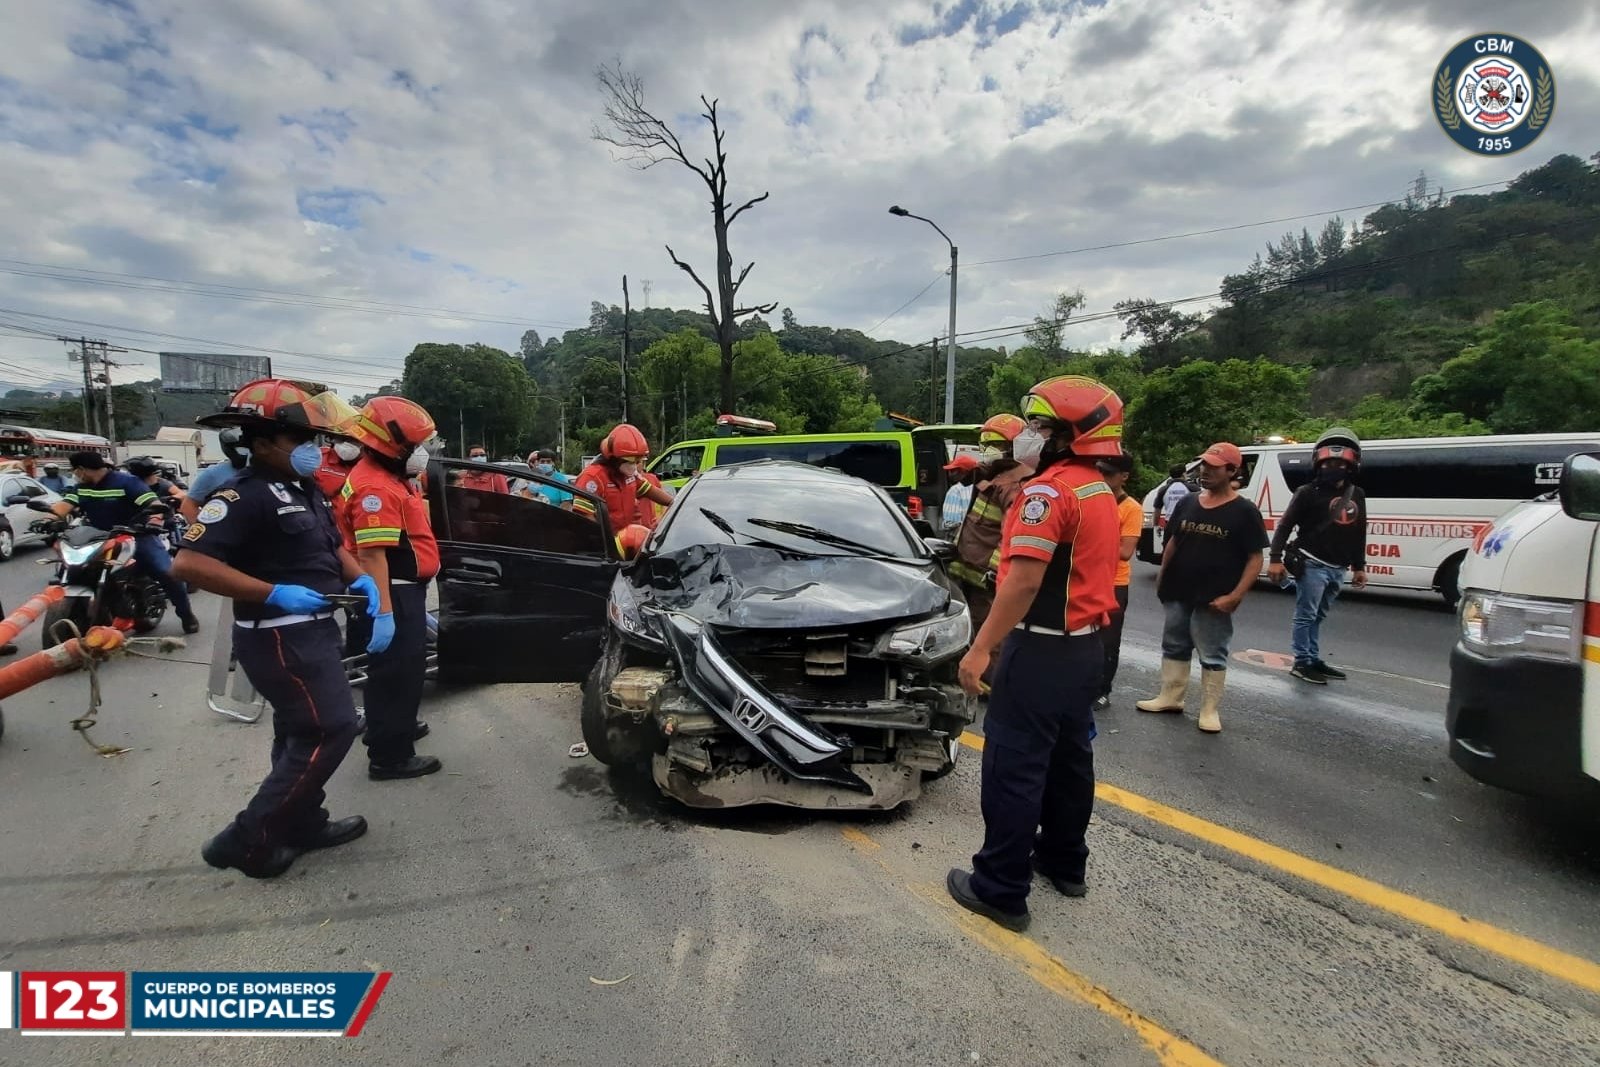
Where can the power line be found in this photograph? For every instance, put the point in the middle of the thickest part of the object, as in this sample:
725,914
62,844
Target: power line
907,304
1222,229
218,290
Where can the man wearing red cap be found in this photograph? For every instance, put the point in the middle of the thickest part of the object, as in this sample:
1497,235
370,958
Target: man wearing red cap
1215,542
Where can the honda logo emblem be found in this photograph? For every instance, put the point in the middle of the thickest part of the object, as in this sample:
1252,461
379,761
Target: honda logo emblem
750,715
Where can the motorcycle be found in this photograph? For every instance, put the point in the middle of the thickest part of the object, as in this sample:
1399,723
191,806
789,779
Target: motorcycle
104,586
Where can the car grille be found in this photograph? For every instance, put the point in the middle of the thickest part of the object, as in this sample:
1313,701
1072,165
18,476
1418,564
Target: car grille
786,677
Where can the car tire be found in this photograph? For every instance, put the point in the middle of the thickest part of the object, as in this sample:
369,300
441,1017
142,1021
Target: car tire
8,543
75,608
953,749
1448,583
592,719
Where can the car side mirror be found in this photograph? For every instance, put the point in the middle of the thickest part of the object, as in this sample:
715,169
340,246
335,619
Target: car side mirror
1580,486
20,498
34,504
941,549
34,490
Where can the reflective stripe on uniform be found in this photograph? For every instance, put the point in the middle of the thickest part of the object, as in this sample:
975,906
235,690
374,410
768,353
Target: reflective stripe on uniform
1084,492
145,499
1043,544
983,509
1043,490
102,494
378,534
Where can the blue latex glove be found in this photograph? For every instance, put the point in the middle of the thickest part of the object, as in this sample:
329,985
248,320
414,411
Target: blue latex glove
382,632
369,588
298,600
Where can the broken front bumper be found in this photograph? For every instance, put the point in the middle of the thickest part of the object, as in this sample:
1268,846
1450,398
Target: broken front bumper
729,741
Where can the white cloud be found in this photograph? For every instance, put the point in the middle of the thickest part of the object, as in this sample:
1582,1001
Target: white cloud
443,154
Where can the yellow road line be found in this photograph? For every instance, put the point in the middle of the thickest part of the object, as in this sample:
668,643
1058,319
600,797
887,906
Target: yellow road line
1591,652
1524,950
1170,1049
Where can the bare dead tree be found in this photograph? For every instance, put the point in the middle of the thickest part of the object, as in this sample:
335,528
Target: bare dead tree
642,141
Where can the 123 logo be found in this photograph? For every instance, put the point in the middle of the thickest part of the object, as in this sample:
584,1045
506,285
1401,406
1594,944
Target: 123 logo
1494,94
72,1002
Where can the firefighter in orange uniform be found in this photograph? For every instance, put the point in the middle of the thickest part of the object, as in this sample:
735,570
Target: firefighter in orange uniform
337,461
618,478
997,481
384,517
1056,588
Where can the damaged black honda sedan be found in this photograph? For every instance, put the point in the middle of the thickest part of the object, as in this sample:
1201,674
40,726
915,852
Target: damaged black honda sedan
784,637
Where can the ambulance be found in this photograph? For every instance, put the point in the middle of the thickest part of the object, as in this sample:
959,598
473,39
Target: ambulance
1524,711
1429,499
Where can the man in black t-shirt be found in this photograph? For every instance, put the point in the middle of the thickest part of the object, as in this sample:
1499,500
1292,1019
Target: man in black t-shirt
1213,554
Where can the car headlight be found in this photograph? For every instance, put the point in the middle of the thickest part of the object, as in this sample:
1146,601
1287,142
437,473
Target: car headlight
932,640
626,614
1497,625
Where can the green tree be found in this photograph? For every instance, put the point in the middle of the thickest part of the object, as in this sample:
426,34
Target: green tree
1376,418
1531,371
1181,410
1048,329
472,389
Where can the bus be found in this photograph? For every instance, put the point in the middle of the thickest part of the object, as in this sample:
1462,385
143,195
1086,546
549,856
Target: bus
1429,499
32,448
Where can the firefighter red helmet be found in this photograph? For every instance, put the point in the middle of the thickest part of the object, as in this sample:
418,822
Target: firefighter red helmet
630,541
392,425
267,404
1086,409
1002,427
624,442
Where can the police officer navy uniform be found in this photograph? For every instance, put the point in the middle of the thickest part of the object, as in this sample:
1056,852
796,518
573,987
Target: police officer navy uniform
1055,590
384,519
269,542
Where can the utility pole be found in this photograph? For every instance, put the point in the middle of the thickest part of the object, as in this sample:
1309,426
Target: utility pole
626,339
90,353
683,409
950,350
933,379
91,422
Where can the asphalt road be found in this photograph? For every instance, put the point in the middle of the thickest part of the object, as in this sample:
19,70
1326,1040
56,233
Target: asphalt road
498,892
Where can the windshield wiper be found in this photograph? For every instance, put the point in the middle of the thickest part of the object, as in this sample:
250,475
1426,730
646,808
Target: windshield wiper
754,542
812,533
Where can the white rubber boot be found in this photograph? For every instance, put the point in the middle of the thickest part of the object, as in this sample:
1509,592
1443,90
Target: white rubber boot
1174,684
1211,686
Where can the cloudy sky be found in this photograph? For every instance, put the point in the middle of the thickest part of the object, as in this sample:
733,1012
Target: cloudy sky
362,176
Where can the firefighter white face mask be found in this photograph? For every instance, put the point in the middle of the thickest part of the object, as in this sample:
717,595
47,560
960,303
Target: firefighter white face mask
348,451
1027,446
628,470
417,462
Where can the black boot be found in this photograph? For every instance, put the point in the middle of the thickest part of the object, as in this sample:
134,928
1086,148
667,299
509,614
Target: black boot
224,851
415,767
332,833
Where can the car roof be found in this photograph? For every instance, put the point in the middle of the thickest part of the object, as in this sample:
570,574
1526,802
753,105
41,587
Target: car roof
786,470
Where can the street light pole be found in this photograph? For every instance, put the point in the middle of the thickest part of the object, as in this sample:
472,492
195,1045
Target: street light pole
950,340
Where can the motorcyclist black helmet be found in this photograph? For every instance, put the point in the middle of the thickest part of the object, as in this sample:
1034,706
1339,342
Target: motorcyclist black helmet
141,467
1337,442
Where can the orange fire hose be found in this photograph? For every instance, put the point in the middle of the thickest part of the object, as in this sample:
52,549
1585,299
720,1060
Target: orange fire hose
98,643
29,613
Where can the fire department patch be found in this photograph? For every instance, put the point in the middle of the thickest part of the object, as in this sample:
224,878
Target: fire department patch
195,531
1035,509
1493,94
371,504
214,511
374,521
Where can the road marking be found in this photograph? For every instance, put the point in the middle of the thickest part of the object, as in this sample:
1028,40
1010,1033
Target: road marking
1398,677
1524,950
1170,1049
1282,661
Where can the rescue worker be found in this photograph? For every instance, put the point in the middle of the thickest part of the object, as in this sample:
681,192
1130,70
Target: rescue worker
52,480
617,477
268,541
483,481
110,498
1056,589
996,482
337,460
384,517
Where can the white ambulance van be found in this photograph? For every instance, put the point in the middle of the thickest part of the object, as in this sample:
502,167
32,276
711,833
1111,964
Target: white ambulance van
1428,498
1524,710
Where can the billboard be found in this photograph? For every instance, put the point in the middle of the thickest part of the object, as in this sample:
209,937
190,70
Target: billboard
208,372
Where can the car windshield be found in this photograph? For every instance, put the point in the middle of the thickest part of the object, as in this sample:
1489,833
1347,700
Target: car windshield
851,512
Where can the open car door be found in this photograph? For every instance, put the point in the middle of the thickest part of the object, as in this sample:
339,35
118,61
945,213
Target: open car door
523,584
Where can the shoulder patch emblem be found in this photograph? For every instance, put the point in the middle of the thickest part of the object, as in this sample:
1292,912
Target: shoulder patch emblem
1035,509
195,531
214,511
374,520
281,493
371,504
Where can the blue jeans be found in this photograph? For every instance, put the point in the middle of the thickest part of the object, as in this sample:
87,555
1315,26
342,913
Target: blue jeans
1314,596
1197,626
151,553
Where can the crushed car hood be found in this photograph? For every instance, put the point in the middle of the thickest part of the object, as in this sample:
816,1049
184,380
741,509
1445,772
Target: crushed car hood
749,587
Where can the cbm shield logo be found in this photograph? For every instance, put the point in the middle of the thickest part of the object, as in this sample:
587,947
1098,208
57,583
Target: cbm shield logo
1494,94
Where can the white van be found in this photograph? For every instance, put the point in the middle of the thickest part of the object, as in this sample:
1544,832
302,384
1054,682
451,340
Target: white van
1524,709
1429,499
